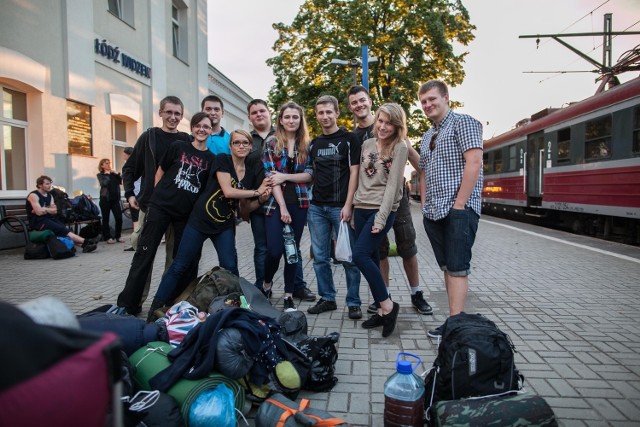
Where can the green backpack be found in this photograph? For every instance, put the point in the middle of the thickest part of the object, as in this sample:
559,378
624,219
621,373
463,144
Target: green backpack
210,285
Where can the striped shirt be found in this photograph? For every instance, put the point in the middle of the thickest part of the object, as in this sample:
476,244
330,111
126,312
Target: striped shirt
444,165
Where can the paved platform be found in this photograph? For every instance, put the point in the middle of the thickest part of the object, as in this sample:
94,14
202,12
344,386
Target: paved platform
569,303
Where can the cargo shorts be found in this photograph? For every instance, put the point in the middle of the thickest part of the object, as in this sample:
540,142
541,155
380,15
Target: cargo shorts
403,230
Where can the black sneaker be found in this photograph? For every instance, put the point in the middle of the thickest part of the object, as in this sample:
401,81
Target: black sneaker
304,294
389,320
322,306
435,333
355,313
289,305
420,304
373,308
266,292
372,322
88,247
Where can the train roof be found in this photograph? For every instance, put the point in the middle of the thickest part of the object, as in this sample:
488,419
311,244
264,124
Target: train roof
612,96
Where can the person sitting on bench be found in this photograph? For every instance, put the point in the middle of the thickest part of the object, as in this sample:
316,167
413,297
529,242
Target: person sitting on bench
42,211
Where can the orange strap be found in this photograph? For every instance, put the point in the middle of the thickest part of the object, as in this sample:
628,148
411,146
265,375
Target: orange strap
304,404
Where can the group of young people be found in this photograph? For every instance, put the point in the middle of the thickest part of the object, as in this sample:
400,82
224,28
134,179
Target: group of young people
195,186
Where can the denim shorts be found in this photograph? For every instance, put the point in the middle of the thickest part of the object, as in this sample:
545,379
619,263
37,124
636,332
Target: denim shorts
452,238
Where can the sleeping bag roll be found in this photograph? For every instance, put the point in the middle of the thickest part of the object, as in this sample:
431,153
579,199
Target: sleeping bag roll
152,358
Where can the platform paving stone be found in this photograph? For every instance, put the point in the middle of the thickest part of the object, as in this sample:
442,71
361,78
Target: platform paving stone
570,310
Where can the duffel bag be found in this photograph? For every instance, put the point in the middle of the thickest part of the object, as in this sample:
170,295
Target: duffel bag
510,410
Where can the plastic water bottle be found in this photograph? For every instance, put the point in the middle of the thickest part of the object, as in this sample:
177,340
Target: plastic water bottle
404,395
290,250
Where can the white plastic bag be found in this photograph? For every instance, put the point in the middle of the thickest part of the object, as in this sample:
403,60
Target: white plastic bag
343,245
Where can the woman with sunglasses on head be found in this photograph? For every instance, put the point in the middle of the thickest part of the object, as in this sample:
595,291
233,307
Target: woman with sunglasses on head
110,181
376,200
285,157
213,217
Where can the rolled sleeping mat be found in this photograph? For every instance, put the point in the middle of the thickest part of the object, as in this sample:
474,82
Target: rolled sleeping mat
152,358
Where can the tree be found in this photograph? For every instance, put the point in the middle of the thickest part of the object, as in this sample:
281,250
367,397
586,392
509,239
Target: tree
413,41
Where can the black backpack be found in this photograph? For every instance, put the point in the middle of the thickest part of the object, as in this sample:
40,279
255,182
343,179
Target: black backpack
64,205
84,208
475,358
57,249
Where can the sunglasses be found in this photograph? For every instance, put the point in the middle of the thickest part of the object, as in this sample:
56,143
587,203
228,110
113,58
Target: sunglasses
432,143
243,143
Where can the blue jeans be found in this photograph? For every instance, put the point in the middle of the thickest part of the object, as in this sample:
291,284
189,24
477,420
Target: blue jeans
322,220
365,251
260,252
190,246
275,244
452,238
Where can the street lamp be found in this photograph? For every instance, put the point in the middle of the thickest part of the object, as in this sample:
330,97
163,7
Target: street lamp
355,63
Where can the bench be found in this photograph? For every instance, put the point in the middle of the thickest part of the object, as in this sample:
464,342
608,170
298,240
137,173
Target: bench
14,218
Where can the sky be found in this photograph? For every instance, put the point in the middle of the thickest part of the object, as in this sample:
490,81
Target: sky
496,89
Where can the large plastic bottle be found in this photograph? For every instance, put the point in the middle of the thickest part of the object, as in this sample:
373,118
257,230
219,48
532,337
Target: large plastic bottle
404,395
290,250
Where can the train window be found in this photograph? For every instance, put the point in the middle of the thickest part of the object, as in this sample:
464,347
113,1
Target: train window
564,145
513,157
636,131
497,161
485,162
598,139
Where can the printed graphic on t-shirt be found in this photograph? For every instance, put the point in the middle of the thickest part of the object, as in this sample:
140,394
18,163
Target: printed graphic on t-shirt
331,150
218,208
188,177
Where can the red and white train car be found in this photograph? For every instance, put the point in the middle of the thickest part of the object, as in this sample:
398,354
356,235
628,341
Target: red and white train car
577,167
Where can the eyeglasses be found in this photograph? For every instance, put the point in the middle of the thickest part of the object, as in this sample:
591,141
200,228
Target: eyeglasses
203,127
243,143
432,143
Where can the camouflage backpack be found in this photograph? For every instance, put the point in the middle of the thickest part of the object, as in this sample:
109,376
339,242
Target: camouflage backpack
210,285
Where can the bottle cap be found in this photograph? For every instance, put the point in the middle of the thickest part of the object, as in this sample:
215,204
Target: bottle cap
404,367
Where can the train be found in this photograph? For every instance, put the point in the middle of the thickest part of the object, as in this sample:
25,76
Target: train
576,167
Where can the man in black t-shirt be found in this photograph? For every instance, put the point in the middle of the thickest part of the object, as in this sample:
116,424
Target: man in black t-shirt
405,234
334,159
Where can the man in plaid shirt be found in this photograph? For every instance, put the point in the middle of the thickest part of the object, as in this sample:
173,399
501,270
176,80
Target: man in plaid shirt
450,189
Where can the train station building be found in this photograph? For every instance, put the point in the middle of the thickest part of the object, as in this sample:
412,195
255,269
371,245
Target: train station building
80,80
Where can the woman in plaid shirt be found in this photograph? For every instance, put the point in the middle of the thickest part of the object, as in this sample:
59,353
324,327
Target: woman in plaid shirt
285,157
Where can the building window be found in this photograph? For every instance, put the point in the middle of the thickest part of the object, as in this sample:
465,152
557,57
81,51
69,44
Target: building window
564,145
598,139
179,29
636,131
13,141
123,9
119,134
79,128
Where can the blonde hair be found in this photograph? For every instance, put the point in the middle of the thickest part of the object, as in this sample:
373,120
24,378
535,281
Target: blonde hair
302,134
102,162
398,119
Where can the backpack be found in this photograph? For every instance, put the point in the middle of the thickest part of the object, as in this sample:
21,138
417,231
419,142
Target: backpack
85,209
280,411
322,355
213,283
64,205
475,358
58,249
35,250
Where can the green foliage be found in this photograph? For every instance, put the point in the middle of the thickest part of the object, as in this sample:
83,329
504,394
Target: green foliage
413,41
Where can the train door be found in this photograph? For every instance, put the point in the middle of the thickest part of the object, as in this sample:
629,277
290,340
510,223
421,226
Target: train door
534,168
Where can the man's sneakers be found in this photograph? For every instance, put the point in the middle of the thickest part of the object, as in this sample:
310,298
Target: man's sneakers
304,294
289,305
435,333
372,308
355,313
89,245
322,306
372,322
420,304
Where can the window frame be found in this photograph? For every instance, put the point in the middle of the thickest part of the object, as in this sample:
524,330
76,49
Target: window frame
179,34
561,142
603,140
19,124
124,12
635,132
